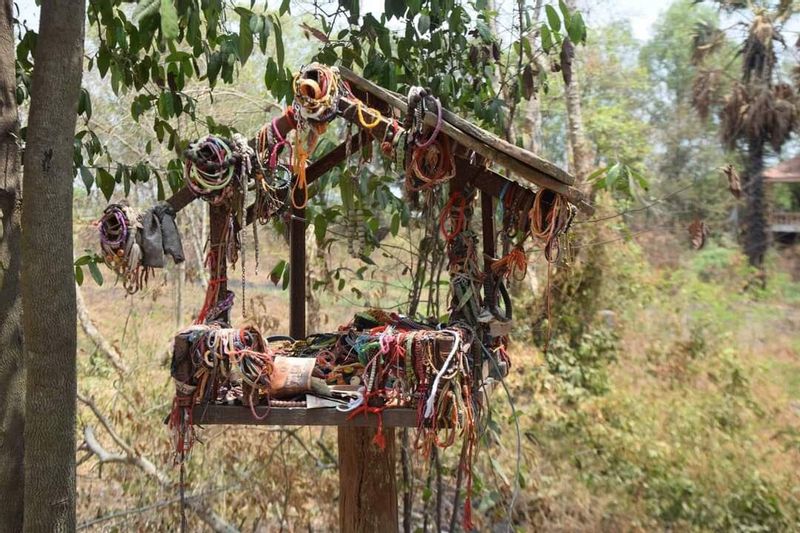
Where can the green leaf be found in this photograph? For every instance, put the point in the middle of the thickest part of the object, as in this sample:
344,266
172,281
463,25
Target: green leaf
564,11
106,182
395,8
594,175
85,104
284,7
245,36
169,19
277,272
160,188
279,51
87,178
424,23
214,66
484,31
613,173
103,60
79,275
577,29
640,180
547,39
395,227
320,227
552,18
286,278
165,105
97,276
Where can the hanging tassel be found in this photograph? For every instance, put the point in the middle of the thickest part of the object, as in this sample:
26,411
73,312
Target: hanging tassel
380,439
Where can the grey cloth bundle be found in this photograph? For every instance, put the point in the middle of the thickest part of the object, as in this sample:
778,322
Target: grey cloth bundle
160,236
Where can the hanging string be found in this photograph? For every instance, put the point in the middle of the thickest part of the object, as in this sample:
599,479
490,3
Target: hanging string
454,211
299,168
514,264
280,143
430,166
550,217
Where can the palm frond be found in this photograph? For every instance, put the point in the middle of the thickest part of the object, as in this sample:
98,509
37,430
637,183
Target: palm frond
758,53
706,39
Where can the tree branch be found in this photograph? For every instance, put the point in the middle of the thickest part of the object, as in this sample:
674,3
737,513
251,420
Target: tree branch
102,344
130,457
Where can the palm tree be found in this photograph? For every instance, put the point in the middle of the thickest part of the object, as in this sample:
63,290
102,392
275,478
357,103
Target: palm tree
757,110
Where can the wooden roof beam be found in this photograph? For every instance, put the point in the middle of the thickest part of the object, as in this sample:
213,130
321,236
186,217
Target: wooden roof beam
526,164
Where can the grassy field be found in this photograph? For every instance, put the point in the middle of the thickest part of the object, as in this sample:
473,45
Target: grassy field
679,410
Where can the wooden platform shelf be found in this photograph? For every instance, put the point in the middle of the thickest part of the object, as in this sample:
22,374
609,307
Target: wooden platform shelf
300,416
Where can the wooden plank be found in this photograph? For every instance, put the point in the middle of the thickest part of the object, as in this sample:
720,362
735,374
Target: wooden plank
299,416
489,181
452,123
491,152
367,481
490,139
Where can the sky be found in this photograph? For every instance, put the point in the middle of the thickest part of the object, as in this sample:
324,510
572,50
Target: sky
642,14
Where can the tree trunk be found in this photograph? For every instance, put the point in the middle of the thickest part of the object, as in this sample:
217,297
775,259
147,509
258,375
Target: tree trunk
581,153
755,219
367,481
48,284
532,120
12,375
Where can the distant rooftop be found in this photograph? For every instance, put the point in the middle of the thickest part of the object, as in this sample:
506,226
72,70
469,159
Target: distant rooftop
786,172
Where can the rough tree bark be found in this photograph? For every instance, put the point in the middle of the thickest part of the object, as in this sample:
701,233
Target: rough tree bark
48,285
367,487
756,239
12,375
581,153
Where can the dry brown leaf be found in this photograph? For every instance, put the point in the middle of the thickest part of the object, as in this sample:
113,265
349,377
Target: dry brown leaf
698,232
734,181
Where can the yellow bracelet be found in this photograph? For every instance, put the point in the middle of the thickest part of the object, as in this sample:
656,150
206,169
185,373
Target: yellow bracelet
361,117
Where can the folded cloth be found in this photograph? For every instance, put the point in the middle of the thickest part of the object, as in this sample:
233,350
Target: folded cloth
160,236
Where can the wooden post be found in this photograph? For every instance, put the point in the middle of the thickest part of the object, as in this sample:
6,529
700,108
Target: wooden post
367,482
487,218
297,274
217,220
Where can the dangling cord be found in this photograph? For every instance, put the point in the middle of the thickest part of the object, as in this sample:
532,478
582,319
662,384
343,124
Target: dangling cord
364,124
280,142
431,165
387,144
242,250
255,244
458,202
549,225
511,264
183,493
299,167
